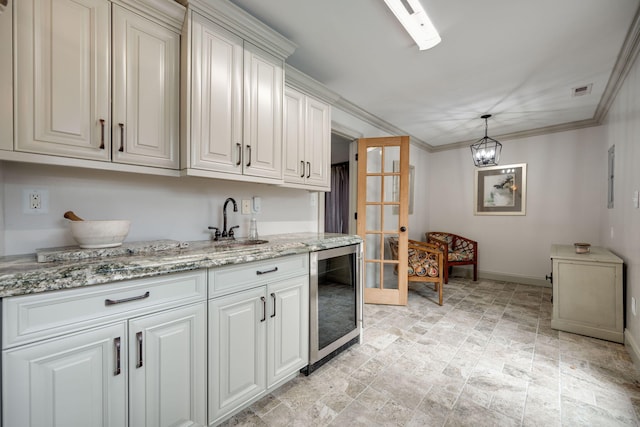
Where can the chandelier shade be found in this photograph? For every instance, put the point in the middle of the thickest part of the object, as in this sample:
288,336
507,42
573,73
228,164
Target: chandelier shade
486,151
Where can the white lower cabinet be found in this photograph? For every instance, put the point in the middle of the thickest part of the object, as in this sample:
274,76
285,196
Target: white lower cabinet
258,337
77,380
145,365
167,366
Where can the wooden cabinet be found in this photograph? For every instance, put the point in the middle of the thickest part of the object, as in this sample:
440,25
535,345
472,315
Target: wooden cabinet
235,113
131,353
307,141
258,330
66,82
588,293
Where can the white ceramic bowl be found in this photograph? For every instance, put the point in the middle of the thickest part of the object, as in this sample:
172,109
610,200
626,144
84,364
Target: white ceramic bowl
100,234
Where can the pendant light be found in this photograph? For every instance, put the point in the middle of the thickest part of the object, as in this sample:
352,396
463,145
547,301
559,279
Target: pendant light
486,151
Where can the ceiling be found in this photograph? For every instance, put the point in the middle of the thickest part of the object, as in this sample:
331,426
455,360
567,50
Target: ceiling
516,60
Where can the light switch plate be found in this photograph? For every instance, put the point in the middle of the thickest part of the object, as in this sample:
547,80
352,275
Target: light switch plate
636,199
246,207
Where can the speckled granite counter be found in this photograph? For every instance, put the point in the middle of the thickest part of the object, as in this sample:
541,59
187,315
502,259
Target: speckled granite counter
23,274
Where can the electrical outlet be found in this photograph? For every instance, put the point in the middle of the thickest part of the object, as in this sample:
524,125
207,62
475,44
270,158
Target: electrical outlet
246,207
35,201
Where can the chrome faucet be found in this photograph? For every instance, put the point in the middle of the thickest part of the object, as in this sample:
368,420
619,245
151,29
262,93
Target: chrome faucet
225,234
224,216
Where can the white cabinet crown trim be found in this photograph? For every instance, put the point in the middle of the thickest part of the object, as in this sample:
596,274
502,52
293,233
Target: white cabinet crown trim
233,18
166,12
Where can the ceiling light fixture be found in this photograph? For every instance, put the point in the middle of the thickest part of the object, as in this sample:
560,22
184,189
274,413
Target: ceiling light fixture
486,151
416,21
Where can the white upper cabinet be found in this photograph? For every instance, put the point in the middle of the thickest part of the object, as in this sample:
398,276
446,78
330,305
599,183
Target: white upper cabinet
72,101
263,85
307,141
62,62
232,86
146,91
216,98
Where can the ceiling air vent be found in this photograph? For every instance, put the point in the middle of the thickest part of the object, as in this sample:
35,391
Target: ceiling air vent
582,90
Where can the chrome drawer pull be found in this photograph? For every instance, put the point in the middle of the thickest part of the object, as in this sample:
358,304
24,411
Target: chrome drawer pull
119,301
259,272
139,340
274,304
116,347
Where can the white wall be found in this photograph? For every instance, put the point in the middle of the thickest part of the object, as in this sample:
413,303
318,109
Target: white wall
622,129
566,198
158,207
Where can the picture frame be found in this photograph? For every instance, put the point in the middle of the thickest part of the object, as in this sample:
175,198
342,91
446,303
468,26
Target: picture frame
501,190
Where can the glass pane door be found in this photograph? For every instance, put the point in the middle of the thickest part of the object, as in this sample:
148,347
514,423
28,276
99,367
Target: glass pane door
383,172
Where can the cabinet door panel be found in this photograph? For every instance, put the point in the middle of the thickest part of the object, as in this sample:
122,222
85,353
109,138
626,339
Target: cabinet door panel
216,93
293,137
237,358
167,360
288,332
70,381
263,91
62,77
145,91
318,143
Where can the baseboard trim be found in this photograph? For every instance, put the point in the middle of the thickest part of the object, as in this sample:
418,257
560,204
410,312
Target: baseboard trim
467,273
632,348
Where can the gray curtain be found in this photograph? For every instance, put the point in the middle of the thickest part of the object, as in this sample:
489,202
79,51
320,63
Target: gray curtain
336,218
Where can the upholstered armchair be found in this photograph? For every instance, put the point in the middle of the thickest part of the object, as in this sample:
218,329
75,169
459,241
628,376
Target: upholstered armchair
425,263
459,250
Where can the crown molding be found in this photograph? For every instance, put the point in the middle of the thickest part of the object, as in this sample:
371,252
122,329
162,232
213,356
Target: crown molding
302,82
168,12
354,110
236,20
626,58
562,127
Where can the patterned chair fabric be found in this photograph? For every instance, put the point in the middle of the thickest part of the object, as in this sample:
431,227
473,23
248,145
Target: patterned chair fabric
425,263
460,251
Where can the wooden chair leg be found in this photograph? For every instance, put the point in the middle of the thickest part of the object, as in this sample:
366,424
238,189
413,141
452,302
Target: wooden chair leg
439,292
475,272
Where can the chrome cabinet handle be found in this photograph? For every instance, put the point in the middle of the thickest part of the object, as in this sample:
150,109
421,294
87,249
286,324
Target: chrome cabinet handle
121,149
116,346
139,341
309,169
102,134
273,295
259,272
264,309
239,146
249,150
302,167
120,301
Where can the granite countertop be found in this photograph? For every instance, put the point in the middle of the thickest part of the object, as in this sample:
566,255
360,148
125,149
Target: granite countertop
72,267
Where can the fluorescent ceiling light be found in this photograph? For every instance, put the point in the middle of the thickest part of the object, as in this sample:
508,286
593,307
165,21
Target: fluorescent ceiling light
416,21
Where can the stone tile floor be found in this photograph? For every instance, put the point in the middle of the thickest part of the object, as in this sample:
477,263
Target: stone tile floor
488,357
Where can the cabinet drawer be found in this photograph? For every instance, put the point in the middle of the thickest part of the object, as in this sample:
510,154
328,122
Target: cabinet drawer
226,280
29,318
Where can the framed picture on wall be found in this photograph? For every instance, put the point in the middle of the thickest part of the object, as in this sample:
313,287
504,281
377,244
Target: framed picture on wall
501,190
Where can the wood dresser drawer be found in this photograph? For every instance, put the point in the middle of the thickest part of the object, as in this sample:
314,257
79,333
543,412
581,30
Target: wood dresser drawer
29,318
238,277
